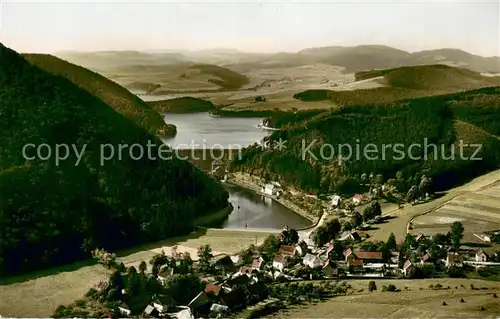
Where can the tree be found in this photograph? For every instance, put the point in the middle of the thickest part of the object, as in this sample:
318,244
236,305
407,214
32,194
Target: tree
205,257
183,287
321,236
333,226
391,242
357,219
372,286
412,194
367,213
293,237
379,179
349,206
409,242
143,267
347,225
108,260
376,209
456,234
425,185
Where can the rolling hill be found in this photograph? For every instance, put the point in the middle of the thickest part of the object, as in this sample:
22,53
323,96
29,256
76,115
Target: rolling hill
55,213
443,120
182,105
121,99
404,83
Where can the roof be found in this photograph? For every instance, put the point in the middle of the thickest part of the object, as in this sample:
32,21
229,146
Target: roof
309,258
124,306
330,248
287,250
419,236
257,262
347,252
212,289
355,262
241,280
355,236
368,254
357,196
426,257
234,298
406,265
149,309
454,258
279,258
200,300
257,288
481,252
327,263
245,270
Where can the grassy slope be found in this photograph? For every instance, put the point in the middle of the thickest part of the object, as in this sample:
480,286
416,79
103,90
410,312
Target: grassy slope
111,93
182,105
405,83
53,214
227,79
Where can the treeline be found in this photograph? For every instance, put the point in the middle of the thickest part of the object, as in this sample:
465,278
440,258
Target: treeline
184,104
55,214
116,96
304,164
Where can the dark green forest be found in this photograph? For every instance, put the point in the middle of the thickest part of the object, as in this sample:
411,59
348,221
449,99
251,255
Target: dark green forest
471,116
51,214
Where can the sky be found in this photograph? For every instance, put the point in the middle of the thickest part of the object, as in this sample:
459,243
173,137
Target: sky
50,26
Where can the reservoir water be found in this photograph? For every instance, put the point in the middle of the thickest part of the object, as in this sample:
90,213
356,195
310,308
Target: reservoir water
255,211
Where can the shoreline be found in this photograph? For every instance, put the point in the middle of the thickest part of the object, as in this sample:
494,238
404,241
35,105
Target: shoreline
250,185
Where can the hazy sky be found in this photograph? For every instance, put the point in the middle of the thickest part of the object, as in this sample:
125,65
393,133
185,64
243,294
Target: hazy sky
38,26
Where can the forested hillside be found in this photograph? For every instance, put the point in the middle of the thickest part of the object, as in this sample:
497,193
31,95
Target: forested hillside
121,99
436,119
53,214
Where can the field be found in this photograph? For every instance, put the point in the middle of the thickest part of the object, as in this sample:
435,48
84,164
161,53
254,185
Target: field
415,300
39,294
478,215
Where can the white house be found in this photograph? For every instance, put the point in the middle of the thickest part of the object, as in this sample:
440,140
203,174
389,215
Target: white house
280,262
270,189
312,261
481,256
356,199
335,200
124,309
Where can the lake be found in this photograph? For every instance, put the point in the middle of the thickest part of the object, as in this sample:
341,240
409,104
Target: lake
205,131
255,211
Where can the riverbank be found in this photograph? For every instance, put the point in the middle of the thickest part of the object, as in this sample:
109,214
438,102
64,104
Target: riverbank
214,219
253,183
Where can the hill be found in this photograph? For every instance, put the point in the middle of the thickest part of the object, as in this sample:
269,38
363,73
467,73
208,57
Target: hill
432,119
404,83
365,57
56,212
224,77
182,105
122,100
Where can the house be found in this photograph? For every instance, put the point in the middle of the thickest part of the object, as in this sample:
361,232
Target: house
270,189
288,251
237,282
257,292
280,262
425,259
481,256
394,259
483,237
151,311
180,312
301,248
220,309
212,289
200,303
162,303
237,260
355,265
330,269
335,200
235,299
407,267
453,259
258,263
224,263
356,199
245,270
312,261
365,256
124,309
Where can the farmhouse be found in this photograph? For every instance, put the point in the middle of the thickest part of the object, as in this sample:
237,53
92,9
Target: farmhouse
481,256
356,199
288,251
312,261
258,263
453,259
365,256
280,262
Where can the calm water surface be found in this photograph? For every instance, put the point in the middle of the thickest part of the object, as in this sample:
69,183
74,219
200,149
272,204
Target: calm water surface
205,131
255,211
